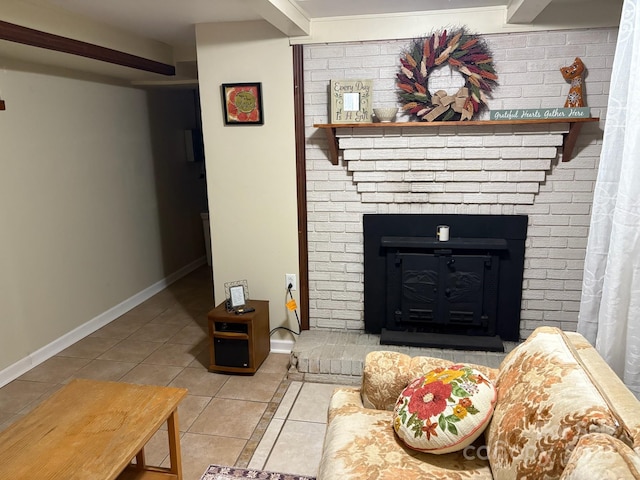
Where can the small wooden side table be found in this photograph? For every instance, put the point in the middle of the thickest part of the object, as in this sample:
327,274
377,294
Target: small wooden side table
239,343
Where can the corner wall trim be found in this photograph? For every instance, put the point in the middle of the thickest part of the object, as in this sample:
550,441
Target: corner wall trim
38,38
301,184
36,358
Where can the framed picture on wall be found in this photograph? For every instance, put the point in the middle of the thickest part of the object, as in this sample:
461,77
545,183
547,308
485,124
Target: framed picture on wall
242,103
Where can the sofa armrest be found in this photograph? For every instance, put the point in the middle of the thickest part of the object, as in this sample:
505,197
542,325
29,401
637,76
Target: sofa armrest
620,398
548,399
384,375
344,400
601,456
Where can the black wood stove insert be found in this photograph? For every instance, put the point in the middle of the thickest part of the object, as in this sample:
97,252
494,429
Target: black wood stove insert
463,293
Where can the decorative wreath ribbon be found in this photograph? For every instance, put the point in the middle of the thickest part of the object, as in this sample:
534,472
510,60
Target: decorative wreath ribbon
466,53
459,103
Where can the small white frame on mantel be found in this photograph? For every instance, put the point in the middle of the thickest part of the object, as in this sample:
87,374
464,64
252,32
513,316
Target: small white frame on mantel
351,101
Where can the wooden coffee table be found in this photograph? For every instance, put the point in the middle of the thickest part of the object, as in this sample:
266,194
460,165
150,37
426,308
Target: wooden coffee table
93,430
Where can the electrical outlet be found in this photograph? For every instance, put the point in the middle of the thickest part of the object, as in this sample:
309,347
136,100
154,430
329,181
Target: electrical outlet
290,278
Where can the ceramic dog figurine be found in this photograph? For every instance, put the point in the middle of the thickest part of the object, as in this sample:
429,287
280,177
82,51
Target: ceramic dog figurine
574,73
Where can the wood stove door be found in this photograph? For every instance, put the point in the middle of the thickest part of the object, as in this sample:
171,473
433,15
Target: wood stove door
461,294
420,288
442,292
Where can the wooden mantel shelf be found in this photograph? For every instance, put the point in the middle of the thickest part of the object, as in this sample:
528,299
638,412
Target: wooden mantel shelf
569,142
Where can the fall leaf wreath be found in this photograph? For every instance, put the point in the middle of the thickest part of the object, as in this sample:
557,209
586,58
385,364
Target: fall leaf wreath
468,54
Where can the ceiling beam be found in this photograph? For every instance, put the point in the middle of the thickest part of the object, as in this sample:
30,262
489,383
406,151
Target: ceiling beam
525,11
283,15
37,38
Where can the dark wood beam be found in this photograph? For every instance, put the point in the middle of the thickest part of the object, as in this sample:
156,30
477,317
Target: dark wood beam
36,38
301,184
2,107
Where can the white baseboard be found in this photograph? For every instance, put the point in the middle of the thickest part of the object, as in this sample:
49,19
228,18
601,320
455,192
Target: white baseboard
282,346
36,358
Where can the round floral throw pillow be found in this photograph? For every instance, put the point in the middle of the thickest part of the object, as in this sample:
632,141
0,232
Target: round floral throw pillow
444,410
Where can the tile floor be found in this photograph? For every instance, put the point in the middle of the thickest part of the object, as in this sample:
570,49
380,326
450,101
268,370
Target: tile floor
262,421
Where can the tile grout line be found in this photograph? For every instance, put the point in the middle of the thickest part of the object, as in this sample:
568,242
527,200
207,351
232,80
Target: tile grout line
253,442
284,420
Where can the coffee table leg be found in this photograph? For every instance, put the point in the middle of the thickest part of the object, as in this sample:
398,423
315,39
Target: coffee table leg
140,461
174,444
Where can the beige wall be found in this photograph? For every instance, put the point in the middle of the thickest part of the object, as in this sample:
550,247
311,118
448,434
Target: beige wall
90,189
251,169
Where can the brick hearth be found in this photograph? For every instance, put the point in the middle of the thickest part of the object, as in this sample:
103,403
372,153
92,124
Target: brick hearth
331,356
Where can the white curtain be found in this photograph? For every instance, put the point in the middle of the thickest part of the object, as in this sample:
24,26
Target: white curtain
610,308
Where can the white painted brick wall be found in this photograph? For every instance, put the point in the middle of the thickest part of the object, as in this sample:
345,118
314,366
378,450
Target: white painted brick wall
470,168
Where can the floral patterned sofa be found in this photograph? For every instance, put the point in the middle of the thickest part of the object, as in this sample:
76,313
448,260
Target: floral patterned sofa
560,412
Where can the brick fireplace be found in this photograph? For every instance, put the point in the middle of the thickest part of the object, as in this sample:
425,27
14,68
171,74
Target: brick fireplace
502,170
480,170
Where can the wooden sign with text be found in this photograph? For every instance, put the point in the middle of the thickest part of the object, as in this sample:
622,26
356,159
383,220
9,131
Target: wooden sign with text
539,113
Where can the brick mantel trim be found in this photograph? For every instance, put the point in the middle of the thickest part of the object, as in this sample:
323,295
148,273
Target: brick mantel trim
495,164
569,138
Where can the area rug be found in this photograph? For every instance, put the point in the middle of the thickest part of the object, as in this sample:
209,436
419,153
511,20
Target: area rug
218,472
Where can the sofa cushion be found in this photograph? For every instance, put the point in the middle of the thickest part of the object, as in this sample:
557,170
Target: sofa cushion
603,457
546,402
444,410
360,444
